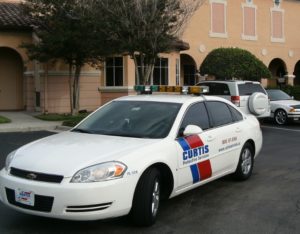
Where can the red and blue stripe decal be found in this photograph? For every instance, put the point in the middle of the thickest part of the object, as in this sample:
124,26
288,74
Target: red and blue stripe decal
190,142
202,170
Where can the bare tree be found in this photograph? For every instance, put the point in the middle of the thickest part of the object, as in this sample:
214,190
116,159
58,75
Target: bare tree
145,28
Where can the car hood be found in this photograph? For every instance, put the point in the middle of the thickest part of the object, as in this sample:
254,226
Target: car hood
287,103
66,153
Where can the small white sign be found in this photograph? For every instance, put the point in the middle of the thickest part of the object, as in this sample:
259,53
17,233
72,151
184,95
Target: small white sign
24,197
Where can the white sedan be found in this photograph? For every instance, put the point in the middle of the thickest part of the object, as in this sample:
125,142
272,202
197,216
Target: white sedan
283,107
128,155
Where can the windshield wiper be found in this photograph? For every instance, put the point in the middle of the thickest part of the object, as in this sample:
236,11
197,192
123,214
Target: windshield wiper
82,130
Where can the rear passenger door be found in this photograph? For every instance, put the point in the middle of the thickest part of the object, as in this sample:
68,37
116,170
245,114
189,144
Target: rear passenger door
226,135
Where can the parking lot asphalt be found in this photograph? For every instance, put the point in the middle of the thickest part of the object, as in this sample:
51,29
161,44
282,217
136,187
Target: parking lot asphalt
267,203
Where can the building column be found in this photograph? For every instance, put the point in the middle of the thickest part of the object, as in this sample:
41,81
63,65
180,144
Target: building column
290,79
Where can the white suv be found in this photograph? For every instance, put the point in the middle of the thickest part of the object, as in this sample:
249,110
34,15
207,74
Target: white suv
249,96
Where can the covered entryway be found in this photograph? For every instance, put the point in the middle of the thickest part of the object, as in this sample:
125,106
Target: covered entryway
297,73
188,69
11,80
278,68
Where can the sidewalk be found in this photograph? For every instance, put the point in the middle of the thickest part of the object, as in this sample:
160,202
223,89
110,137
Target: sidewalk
22,121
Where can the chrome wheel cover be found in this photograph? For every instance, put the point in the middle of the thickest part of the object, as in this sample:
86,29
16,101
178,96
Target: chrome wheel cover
280,117
155,198
246,161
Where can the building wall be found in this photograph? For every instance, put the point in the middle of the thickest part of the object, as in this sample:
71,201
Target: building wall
56,97
54,89
201,41
235,29
13,40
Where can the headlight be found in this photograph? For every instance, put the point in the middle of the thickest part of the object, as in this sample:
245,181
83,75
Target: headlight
100,172
292,109
9,159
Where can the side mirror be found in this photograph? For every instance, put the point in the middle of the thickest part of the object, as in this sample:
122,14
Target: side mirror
192,130
292,97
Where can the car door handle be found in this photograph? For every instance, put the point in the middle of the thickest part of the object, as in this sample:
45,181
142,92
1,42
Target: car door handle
210,138
238,129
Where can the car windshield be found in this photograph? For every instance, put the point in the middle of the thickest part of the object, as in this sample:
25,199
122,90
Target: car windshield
140,119
277,95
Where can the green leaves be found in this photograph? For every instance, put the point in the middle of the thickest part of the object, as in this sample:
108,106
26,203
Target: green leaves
229,63
67,30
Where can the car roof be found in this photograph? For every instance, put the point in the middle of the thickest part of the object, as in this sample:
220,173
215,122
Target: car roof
229,81
171,98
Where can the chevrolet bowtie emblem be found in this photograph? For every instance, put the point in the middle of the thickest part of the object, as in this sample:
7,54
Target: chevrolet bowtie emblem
31,176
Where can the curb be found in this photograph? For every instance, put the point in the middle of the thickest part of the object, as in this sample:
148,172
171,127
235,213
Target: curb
35,129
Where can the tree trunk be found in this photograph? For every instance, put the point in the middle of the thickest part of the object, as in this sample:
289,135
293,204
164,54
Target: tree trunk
71,87
143,69
148,74
76,91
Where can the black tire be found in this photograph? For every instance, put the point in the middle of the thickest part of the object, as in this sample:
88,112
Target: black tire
245,165
146,198
280,117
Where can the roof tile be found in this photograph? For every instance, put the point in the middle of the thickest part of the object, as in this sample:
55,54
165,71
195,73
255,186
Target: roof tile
11,16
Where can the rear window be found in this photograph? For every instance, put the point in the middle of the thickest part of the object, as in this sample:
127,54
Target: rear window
250,88
217,89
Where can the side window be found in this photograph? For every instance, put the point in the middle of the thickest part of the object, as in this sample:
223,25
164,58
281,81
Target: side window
114,71
196,115
237,116
217,89
220,113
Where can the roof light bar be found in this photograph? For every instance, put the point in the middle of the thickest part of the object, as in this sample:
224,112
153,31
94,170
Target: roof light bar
147,89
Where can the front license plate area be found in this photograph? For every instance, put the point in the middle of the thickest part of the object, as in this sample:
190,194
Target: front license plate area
24,197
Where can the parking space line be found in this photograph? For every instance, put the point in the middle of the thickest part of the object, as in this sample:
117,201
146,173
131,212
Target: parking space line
284,129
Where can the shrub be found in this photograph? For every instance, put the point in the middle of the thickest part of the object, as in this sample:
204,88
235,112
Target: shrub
229,63
4,120
292,91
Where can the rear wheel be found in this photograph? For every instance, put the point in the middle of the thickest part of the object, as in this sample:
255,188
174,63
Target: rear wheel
280,117
246,161
146,198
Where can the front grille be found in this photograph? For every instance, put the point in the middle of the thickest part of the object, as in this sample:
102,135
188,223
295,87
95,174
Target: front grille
37,176
88,208
41,203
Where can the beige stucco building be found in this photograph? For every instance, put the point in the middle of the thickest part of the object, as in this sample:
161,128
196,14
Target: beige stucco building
267,28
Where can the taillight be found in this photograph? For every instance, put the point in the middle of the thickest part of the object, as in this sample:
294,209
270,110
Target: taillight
235,100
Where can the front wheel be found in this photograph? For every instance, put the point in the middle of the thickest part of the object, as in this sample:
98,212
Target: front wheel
280,117
246,161
146,198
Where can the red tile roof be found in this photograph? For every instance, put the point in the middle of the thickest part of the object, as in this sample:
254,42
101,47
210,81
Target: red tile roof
11,17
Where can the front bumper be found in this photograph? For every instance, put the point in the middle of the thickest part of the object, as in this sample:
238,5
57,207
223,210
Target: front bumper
294,115
73,201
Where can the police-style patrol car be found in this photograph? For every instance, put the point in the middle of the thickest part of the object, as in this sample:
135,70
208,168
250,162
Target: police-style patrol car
129,154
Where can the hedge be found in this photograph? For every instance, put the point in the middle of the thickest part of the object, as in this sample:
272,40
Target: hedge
229,63
292,91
